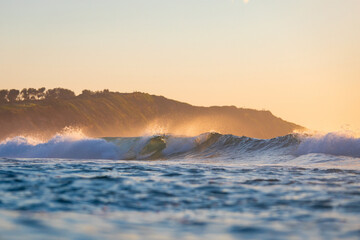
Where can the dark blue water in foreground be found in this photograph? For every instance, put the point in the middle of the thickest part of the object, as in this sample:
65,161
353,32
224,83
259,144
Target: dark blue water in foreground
210,186
180,199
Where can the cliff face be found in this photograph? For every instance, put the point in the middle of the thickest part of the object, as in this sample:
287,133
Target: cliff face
134,114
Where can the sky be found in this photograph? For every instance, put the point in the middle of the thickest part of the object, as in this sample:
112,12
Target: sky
298,59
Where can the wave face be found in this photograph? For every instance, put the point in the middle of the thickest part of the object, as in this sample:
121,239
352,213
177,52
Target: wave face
204,146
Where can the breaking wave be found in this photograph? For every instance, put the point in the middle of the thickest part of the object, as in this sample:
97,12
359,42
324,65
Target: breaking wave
207,145
331,143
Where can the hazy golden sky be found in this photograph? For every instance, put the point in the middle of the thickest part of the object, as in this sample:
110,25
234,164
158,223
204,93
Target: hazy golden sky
299,59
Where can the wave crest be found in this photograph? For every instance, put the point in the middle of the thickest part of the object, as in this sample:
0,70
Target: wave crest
207,145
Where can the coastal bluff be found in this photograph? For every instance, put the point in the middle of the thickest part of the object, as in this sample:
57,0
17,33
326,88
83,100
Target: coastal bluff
110,114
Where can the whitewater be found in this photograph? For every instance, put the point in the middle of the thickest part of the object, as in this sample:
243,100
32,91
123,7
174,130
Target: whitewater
162,186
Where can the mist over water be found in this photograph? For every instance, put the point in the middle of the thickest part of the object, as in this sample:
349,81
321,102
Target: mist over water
209,186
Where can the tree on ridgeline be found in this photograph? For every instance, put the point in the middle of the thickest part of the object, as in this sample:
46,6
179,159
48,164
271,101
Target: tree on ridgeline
24,94
13,95
86,93
59,93
27,94
32,92
104,92
41,93
3,96
89,93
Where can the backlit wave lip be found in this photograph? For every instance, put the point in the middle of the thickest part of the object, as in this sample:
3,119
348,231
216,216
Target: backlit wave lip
206,145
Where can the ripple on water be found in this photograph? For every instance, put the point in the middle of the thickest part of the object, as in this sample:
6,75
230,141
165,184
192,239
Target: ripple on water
122,198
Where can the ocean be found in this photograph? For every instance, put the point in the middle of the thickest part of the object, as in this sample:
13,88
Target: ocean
211,186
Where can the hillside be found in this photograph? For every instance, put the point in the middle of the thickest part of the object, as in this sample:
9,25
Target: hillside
134,114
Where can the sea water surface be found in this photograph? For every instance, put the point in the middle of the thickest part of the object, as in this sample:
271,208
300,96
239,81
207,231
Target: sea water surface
211,186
